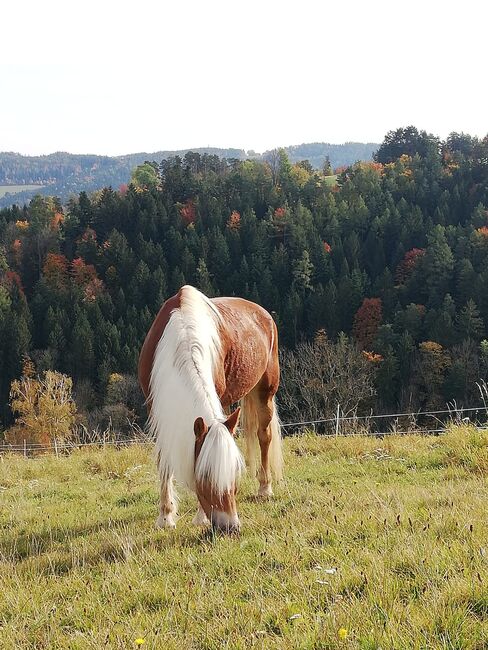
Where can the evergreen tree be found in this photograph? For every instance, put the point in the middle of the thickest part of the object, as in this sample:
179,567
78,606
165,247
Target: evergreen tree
469,323
302,273
438,265
203,279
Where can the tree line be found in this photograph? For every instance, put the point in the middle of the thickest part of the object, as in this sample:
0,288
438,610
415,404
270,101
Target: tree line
64,174
389,258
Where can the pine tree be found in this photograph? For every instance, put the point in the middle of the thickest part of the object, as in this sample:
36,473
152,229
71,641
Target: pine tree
302,273
439,266
469,324
203,279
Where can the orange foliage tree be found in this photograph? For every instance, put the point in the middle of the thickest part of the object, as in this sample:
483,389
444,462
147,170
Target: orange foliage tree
405,269
85,277
11,280
55,271
188,212
234,221
367,321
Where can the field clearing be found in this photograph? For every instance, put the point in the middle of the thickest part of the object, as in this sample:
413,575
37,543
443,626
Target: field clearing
331,180
15,189
367,544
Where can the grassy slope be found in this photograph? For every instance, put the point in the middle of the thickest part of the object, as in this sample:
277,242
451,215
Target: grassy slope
331,180
15,189
404,520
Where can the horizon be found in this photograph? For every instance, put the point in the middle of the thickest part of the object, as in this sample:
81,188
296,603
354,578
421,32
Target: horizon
119,154
250,76
132,153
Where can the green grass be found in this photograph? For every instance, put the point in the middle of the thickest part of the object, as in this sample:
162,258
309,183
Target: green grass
403,521
331,180
15,189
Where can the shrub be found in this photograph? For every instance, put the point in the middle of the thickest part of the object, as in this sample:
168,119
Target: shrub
44,407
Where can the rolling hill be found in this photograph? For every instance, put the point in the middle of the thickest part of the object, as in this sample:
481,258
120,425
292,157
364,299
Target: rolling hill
62,174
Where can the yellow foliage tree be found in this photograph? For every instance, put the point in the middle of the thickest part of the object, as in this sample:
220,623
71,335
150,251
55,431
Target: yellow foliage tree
44,407
300,174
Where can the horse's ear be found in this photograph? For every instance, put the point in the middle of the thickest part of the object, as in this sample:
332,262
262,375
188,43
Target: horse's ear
232,420
199,427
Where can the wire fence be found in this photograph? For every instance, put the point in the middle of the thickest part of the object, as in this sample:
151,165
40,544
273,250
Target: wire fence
340,425
420,422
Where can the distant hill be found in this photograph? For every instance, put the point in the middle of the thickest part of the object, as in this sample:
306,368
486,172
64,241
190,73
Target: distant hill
339,154
61,174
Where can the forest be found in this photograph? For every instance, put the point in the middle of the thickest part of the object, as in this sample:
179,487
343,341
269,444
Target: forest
63,174
384,267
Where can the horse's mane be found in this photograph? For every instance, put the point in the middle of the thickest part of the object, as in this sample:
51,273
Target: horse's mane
219,461
182,389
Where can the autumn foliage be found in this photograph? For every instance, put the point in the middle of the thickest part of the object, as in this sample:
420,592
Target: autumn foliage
405,268
188,212
12,279
372,357
367,321
44,408
82,272
234,221
55,271
57,219
85,277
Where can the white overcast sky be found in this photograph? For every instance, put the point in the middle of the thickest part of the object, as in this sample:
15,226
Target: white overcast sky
112,77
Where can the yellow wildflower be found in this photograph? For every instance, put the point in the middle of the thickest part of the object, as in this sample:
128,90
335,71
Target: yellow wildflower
342,634
140,642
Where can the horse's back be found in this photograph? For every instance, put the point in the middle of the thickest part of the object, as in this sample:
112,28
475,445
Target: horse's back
250,347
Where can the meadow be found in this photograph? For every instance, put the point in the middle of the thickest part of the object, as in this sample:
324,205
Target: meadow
368,543
15,189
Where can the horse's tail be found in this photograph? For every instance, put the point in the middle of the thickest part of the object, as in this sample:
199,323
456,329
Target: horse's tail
275,448
250,424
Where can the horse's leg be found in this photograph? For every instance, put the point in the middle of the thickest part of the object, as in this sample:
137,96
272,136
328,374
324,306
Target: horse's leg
167,504
200,519
265,408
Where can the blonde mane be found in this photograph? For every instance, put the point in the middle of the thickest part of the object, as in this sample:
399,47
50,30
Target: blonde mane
182,389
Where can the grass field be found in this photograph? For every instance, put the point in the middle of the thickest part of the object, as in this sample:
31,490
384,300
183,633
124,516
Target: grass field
15,189
367,544
331,180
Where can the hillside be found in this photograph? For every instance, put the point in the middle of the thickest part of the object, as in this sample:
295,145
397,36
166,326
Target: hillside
385,268
368,544
339,155
61,174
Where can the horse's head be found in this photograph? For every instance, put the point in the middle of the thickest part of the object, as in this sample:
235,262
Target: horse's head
218,464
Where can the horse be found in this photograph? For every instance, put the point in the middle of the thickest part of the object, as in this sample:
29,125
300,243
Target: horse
200,357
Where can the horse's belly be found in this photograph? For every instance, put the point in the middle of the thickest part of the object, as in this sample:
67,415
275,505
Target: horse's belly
244,366
247,338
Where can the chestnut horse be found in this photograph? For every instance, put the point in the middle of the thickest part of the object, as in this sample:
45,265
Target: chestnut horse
200,357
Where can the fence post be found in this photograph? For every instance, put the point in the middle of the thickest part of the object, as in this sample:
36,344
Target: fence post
25,448
56,447
337,420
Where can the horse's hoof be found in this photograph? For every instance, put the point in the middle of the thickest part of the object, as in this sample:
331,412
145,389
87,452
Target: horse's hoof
200,519
165,521
265,492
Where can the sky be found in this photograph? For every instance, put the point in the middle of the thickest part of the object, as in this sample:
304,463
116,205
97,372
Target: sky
110,77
